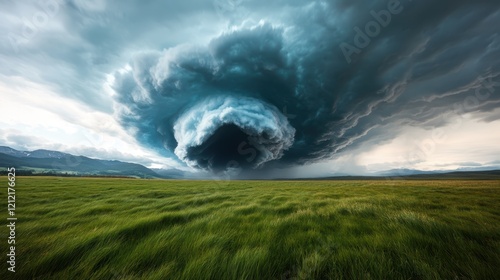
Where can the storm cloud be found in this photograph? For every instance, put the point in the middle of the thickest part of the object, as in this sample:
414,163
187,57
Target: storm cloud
299,86
255,85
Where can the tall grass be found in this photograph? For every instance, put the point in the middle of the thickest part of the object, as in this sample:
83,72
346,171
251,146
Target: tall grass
76,228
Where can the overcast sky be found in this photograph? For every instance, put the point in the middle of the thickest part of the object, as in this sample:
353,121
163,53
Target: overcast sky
284,88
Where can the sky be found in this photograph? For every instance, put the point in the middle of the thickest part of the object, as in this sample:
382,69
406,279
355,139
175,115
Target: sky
255,88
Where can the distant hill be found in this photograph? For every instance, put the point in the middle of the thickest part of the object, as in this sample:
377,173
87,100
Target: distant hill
406,172
53,162
171,173
422,175
11,152
479,175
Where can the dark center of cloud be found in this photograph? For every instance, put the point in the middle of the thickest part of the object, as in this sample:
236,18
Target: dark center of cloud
224,132
223,150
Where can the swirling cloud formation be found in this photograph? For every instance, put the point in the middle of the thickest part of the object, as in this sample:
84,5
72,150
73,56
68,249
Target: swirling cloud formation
312,81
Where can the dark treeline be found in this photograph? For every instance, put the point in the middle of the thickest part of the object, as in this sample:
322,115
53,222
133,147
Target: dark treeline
60,174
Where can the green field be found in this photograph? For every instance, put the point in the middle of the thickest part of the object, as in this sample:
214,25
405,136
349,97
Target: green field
91,228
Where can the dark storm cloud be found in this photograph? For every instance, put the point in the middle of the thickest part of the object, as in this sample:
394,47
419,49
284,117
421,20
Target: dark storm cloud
244,84
347,71
213,107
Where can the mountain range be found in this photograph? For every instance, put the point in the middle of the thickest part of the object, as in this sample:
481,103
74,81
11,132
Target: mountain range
47,162
53,162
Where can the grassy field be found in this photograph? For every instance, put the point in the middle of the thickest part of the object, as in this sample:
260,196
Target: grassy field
89,228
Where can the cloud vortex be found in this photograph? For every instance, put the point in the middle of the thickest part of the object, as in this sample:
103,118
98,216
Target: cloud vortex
229,102
225,132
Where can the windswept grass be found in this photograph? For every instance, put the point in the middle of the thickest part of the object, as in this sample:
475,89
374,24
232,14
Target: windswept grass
75,228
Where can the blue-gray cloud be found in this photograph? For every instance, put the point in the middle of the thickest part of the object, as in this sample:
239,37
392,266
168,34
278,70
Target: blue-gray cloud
248,84
348,71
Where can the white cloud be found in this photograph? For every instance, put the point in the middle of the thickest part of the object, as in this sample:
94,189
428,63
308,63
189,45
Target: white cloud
33,117
466,139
